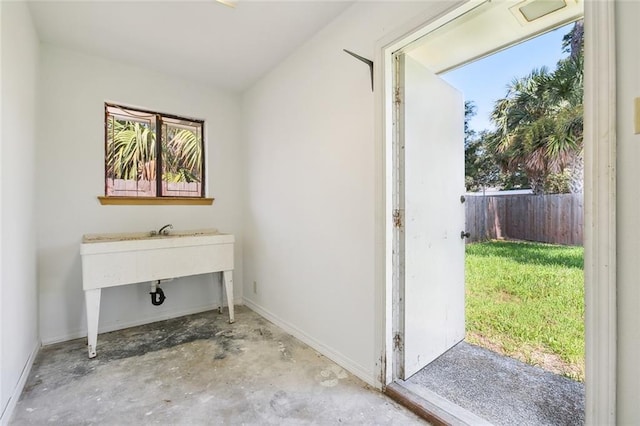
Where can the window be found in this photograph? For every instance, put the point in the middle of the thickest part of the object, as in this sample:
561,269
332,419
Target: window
136,166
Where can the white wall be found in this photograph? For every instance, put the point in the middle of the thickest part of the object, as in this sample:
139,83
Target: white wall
70,175
18,285
309,149
628,193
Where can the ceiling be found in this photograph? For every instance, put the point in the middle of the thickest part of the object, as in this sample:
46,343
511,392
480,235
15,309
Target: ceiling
204,41
475,34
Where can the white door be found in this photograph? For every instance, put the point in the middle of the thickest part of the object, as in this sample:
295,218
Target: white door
432,252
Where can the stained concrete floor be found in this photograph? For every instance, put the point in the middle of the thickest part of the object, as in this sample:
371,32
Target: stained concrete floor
199,369
502,390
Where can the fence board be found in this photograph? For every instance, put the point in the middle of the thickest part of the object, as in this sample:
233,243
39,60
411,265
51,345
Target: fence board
554,218
145,188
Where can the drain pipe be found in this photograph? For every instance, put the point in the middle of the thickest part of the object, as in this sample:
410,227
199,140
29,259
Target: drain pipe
157,295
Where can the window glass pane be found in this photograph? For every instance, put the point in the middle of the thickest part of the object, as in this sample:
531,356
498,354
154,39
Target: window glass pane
130,153
181,158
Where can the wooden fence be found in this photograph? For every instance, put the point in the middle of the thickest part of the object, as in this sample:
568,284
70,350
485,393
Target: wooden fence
556,219
145,188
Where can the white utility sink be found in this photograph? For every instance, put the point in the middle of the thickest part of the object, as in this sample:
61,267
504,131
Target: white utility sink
110,260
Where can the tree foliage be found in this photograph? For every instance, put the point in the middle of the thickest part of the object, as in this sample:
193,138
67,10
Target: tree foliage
131,152
539,125
182,156
481,170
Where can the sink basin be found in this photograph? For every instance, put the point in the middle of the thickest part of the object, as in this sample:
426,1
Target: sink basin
133,236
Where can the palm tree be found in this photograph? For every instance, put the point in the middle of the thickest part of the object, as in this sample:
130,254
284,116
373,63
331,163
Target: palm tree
182,155
131,148
131,152
539,123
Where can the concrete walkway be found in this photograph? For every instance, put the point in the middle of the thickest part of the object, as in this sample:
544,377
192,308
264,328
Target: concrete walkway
502,390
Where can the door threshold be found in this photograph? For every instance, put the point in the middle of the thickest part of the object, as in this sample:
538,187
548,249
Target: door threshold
430,406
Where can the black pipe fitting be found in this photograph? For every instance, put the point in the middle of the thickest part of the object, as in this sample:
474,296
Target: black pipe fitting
157,297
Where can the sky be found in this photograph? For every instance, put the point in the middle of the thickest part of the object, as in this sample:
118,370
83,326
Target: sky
485,81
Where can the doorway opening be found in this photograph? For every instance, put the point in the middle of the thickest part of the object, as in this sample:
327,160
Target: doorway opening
524,300
524,211
429,234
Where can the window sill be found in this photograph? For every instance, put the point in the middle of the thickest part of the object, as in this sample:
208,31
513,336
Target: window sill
155,201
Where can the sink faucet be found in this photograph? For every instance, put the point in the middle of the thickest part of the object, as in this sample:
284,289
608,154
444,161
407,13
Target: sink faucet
164,230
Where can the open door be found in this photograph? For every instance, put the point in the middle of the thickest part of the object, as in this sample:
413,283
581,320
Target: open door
431,248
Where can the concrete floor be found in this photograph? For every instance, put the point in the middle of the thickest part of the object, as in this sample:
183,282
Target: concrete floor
198,369
502,390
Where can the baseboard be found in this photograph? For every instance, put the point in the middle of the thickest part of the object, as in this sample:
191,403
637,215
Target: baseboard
346,363
122,325
6,415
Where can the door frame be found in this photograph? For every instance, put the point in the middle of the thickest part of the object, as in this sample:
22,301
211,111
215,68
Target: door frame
599,198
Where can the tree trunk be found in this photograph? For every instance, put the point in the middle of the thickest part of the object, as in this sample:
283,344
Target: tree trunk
537,183
576,174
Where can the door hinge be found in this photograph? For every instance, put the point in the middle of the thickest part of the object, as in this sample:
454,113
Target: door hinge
397,218
397,341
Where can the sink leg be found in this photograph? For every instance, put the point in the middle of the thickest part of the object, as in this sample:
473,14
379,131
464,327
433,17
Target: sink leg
92,302
228,285
219,276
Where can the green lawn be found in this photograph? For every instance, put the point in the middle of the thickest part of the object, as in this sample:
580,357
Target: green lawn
526,300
